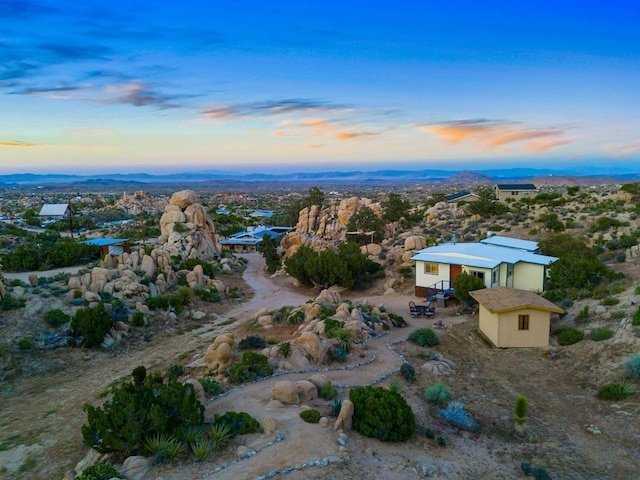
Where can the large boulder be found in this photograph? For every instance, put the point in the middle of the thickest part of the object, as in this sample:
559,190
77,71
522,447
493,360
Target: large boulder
183,198
310,343
220,358
345,417
307,391
285,391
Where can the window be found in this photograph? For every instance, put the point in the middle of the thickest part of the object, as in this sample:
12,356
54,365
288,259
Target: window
431,268
475,273
523,322
496,276
514,193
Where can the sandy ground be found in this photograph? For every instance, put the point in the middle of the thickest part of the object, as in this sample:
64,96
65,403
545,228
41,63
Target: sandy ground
46,411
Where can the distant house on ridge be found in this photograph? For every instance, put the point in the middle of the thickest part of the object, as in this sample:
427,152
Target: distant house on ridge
515,191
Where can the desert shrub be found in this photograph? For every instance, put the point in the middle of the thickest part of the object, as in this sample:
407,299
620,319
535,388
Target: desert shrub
207,267
335,406
408,371
569,336
455,414
615,391
157,303
202,448
56,318
538,473
608,301
328,392
425,337
382,414
438,394
92,324
234,292
310,416
599,334
138,319
520,410
284,349
632,366
618,314
180,299
138,411
9,302
397,320
240,423
210,295
252,342
25,344
211,387
99,471
583,315
406,271
252,367
174,371
635,320
163,448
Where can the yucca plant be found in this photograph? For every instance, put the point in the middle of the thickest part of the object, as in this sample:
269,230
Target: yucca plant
220,435
194,433
335,406
456,415
520,411
616,391
202,448
164,448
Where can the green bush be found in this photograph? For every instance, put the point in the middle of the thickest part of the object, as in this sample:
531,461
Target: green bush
615,391
328,392
99,471
25,344
408,371
252,342
157,303
635,320
599,334
9,302
284,349
438,394
92,324
425,337
56,318
382,414
310,416
138,319
207,267
180,299
608,301
618,314
138,411
569,336
632,366
211,387
252,367
240,423
174,372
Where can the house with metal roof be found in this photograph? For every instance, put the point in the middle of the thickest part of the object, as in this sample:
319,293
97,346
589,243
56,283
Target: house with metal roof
514,318
55,210
113,246
514,191
506,262
462,197
247,241
508,242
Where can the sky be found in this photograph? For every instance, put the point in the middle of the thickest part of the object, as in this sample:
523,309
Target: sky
300,86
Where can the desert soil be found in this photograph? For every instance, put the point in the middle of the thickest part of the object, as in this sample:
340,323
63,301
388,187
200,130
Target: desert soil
42,414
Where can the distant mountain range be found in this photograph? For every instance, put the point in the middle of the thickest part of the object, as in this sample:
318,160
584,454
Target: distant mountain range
379,176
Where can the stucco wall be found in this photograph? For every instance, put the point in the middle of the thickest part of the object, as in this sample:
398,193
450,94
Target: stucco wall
528,276
536,336
426,280
488,324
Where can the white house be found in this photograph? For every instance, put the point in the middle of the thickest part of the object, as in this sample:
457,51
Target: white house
498,261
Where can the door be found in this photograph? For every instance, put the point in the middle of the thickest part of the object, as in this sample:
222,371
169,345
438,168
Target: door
454,271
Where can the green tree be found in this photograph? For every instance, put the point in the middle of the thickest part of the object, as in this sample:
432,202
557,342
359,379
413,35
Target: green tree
395,208
486,205
92,324
465,283
267,247
368,225
551,222
314,197
382,414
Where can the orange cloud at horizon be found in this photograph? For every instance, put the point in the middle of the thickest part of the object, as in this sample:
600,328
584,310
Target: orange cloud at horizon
18,144
490,135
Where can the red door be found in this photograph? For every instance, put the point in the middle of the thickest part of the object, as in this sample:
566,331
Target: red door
454,271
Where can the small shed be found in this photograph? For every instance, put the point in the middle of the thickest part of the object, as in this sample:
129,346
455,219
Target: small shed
113,246
510,317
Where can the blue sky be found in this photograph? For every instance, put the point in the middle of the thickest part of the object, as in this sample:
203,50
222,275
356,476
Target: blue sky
128,86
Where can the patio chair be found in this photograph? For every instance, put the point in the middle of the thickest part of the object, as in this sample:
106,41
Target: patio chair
414,309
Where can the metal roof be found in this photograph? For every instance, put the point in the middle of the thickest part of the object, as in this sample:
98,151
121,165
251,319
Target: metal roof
516,186
54,210
104,242
500,241
460,195
479,255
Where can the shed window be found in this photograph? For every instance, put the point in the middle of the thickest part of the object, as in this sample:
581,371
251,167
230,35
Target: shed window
431,268
523,322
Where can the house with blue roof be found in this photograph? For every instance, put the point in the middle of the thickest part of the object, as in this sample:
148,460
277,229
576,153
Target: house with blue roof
247,241
496,260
